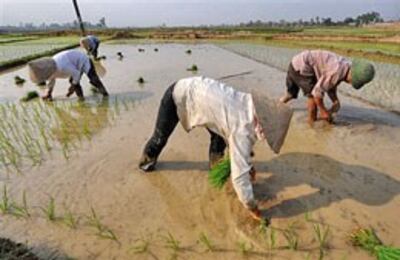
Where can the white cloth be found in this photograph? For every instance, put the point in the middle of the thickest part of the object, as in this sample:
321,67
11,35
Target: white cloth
71,63
205,102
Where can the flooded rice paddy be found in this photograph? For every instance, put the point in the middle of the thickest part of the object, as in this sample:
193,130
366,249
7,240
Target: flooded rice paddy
78,161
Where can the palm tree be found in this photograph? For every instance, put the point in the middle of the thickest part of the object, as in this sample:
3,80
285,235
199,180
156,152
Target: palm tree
78,14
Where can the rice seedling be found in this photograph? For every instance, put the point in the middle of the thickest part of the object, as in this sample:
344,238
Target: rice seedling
41,84
268,233
188,52
369,241
30,96
18,80
307,216
291,237
70,220
171,242
102,230
50,210
141,246
155,49
140,80
321,234
220,173
103,57
244,248
206,242
5,203
141,50
193,68
22,210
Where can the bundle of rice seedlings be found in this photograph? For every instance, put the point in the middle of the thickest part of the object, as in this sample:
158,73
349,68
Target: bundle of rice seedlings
194,68
18,80
141,80
220,173
30,96
368,240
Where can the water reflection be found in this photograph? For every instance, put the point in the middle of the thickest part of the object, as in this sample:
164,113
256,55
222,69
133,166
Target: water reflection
34,130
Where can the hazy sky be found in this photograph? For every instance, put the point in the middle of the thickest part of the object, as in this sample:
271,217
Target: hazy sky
188,12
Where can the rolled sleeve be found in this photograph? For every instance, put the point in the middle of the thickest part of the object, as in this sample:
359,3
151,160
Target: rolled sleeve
240,147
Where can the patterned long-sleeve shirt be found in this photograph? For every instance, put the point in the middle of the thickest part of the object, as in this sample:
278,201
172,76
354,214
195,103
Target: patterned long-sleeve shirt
231,114
329,68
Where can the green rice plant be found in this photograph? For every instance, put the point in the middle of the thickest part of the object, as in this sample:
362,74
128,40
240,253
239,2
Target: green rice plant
193,68
18,80
22,210
140,80
102,230
171,242
321,234
5,203
369,241
141,246
220,173
244,248
206,242
50,210
70,220
308,217
30,96
268,233
291,237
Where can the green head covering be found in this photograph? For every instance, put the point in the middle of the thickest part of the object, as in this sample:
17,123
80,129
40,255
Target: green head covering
362,72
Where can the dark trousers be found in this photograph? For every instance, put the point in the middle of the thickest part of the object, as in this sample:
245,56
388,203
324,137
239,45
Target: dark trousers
93,79
295,81
167,120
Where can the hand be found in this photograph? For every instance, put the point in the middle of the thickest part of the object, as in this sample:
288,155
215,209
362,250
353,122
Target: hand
256,214
47,98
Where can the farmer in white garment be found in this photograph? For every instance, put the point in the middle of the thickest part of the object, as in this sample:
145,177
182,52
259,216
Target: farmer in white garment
66,64
234,119
91,44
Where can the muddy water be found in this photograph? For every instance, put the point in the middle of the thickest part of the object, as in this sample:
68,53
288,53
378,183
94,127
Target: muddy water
341,176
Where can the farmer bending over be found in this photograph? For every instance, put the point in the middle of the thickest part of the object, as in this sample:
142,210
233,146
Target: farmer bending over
91,44
317,72
72,64
234,119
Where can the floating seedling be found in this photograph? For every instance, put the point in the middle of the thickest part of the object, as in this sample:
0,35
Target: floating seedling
120,55
193,68
102,230
206,242
5,204
155,49
141,50
21,211
18,80
50,210
30,96
188,52
369,241
141,80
